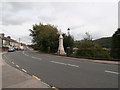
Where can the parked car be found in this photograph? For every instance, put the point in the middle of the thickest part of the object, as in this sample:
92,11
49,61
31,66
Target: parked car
11,49
21,48
16,48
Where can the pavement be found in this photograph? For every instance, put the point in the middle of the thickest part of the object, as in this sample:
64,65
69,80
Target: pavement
14,78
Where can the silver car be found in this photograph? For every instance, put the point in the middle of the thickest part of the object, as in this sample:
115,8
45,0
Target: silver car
11,49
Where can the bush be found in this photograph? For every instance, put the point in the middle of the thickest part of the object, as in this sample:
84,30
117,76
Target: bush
89,49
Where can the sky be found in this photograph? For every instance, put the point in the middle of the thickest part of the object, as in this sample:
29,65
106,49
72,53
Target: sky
99,18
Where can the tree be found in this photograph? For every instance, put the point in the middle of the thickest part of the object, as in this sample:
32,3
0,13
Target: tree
45,37
115,49
87,48
87,36
68,43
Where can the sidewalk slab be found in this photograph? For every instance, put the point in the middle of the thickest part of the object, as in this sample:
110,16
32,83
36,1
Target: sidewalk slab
1,70
14,78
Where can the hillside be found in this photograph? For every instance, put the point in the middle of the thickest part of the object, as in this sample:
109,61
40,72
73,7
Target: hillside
104,42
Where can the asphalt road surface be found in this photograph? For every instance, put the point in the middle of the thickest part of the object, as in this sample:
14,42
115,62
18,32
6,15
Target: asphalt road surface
64,72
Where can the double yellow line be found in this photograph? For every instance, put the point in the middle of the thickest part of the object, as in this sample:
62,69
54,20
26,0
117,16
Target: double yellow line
19,67
33,75
36,77
24,70
13,63
54,88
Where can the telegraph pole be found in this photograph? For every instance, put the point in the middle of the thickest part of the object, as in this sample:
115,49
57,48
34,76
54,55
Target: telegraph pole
19,40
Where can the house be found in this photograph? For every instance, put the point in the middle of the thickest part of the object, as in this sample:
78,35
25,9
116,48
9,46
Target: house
6,42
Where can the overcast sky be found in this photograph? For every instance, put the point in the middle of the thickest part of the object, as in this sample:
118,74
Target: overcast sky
100,19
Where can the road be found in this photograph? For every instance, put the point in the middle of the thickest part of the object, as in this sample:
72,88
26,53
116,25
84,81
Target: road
63,72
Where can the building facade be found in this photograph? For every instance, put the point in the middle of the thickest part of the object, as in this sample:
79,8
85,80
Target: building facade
6,42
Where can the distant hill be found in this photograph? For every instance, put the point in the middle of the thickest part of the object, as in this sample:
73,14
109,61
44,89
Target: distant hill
104,42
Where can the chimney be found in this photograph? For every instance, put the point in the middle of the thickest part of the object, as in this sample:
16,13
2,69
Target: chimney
9,37
2,34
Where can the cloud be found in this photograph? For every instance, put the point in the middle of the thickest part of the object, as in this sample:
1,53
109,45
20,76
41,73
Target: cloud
119,14
14,13
100,19
17,6
26,39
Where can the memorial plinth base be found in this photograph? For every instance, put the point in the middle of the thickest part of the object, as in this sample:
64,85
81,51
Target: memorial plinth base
62,53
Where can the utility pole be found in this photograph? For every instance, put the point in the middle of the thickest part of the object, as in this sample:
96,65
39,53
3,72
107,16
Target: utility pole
19,40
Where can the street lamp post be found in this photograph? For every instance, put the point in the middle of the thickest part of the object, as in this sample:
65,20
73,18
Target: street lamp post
68,31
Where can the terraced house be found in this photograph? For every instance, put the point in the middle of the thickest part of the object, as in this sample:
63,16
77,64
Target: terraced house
6,42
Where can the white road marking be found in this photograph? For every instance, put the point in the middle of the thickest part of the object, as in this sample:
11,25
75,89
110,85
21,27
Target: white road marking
112,72
32,57
58,62
37,58
65,64
73,65
25,54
